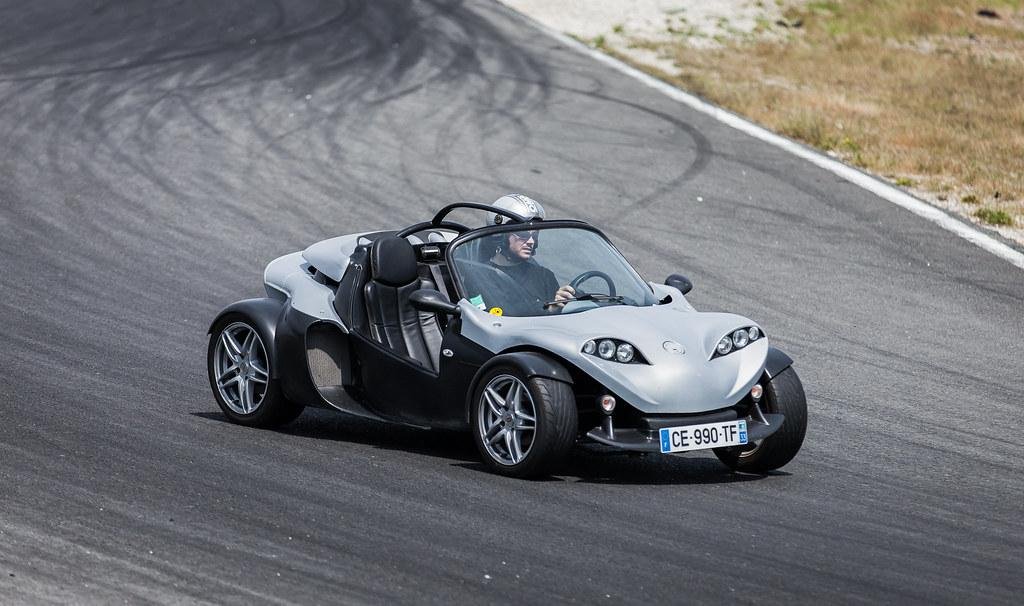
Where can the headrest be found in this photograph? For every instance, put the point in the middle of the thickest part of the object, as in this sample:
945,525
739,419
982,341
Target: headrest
393,261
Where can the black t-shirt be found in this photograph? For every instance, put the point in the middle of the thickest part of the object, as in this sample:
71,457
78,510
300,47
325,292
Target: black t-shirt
538,282
529,287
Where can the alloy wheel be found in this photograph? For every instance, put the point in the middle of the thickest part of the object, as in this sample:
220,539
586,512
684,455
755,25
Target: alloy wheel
241,369
507,419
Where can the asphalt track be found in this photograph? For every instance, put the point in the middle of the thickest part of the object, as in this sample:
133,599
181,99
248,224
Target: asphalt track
156,155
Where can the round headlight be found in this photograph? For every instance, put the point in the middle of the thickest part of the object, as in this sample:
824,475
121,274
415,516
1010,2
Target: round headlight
754,332
606,349
740,338
724,346
589,347
624,353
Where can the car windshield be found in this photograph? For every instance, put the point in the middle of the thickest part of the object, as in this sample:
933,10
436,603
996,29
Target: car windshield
524,272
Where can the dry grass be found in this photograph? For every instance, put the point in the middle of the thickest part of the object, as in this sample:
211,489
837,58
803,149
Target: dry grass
924,92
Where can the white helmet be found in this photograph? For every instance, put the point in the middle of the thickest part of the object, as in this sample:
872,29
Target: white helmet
524,206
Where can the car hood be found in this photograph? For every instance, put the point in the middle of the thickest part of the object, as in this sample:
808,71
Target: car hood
675,339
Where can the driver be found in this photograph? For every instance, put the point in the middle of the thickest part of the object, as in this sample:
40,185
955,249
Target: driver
514,255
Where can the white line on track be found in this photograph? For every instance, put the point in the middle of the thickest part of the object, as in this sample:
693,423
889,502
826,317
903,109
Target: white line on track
866,181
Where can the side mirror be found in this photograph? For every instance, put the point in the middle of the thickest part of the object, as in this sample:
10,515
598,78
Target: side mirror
427,299
682,283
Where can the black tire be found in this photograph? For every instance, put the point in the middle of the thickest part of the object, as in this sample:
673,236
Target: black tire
273,408
785,395
555,428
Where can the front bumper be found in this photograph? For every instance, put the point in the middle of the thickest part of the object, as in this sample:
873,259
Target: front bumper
645,437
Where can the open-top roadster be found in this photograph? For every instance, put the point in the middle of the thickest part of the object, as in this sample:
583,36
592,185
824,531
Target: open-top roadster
531,333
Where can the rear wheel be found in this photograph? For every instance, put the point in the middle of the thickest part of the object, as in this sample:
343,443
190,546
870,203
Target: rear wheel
522,426
242,378
784,395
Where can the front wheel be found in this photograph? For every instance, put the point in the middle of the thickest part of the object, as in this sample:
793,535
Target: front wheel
784,394
242,377
522,426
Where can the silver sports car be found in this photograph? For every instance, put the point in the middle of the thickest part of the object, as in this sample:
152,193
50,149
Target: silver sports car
531,333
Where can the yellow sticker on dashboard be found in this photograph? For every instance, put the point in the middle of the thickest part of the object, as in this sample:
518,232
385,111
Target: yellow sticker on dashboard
495,311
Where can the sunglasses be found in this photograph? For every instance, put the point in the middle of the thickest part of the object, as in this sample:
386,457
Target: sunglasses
525,235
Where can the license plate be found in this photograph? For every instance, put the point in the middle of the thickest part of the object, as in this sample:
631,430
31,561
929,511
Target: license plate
699,437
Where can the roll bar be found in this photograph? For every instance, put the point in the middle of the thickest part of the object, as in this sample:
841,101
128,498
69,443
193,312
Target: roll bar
441,214
439,222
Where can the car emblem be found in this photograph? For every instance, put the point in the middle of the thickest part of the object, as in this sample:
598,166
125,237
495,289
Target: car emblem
673,347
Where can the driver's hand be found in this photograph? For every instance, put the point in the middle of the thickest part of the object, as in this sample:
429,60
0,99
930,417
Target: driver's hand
563,294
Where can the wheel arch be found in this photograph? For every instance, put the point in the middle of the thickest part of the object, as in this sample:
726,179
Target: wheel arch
265,314
533,363
776,362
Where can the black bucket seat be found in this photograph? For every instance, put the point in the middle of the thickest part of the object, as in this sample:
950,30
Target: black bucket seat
393,322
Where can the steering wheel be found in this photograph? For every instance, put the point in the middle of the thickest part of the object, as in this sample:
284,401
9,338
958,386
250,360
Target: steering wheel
583,277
